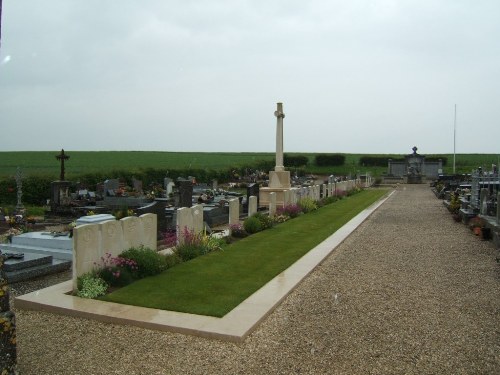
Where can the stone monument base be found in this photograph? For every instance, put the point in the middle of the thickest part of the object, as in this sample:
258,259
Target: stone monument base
279,179
279,182
264,198
414,179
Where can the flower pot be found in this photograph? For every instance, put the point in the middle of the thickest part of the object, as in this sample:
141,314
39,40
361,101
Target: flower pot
476,230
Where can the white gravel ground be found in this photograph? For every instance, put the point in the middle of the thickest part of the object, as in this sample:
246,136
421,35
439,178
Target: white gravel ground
409,292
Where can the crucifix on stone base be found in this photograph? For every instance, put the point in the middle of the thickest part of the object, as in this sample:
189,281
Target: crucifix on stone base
62,157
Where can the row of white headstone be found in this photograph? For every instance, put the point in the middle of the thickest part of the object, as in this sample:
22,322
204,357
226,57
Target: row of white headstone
190,219
92,242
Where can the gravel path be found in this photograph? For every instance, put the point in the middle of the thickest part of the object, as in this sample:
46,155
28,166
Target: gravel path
409,292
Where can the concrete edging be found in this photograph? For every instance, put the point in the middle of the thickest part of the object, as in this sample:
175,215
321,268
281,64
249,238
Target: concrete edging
234,326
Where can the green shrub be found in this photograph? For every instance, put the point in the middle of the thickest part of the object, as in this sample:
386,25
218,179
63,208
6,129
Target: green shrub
211,243
378,161
278,219
172,260
238,231
329,160
266,221
307,204
188,251
149,262
329,200
116,276
353,191
252,225
196,244
295,160
91,286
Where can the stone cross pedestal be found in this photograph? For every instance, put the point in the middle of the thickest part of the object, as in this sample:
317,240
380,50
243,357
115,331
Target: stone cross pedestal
279,179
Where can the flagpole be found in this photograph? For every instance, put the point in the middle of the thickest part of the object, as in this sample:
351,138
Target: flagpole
454,138
0,22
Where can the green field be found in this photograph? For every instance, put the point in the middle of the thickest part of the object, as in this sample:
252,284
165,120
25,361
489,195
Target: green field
44,163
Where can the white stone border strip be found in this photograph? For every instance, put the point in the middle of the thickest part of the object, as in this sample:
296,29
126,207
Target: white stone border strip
234,326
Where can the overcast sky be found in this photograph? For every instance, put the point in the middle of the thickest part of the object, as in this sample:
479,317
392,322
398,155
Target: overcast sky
354,76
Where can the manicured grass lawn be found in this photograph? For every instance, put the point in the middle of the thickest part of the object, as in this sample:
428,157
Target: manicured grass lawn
216,283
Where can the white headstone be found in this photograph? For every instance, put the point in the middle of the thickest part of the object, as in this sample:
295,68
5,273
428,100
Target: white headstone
252,205
111,237
272,204
149,231
184,223
197,212
86,250
234,211
132,232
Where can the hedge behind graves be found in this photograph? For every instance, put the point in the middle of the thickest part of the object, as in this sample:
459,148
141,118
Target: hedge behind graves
295,160
329,160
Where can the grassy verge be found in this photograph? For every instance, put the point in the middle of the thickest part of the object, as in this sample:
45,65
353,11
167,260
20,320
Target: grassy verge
216,283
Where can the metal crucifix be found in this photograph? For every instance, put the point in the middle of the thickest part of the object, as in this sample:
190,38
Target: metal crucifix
62,157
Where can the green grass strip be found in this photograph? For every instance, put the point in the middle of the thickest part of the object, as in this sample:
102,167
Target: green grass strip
216,283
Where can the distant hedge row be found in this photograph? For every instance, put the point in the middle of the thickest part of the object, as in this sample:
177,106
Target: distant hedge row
444,159
329,160
382,161
376,161
295,160
36,190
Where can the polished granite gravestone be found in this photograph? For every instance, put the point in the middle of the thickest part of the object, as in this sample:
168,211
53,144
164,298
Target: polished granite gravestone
35,254
58,245
31,266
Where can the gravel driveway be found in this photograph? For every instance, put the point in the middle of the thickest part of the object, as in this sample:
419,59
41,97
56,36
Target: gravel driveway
409,292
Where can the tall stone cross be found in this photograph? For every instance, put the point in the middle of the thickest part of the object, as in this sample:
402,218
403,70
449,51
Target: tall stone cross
62,157
279,137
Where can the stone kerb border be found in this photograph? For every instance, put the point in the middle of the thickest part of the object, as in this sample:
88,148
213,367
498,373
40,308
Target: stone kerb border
92,241
234,326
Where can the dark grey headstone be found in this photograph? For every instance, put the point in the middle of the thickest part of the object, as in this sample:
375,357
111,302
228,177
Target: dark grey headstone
185,193
253,189
111,184
137,185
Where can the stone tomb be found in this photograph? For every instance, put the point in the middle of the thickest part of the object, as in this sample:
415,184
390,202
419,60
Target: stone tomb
43,254
94,219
